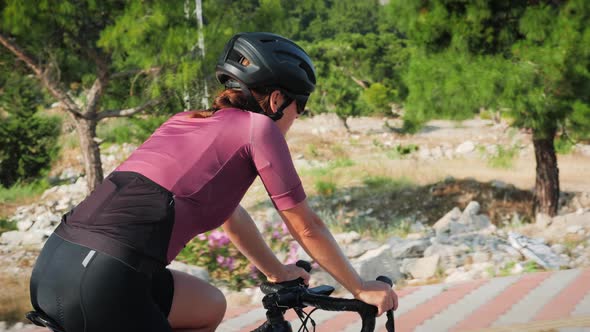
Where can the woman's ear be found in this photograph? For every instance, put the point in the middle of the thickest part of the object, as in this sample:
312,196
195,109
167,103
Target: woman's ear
276,99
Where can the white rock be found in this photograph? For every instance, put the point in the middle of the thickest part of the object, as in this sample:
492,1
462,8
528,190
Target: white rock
410,249
460,275
437,152
542,220
34,238
193,270
536,250
417,227
24,225
471,209
517,269
12,238
465,147
377,262
573,229
442,223
422,268
347,238
424,153
480,257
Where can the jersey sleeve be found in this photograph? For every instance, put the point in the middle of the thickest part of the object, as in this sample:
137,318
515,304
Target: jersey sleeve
273,163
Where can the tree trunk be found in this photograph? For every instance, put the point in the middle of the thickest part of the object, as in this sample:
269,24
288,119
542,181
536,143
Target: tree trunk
547,179
90,151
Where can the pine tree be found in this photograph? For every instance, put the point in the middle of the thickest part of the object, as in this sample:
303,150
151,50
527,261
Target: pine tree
114,58
530,58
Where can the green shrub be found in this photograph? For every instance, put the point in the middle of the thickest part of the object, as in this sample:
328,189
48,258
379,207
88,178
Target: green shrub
564,145
325,188
28,145
6,225
378,98
400,151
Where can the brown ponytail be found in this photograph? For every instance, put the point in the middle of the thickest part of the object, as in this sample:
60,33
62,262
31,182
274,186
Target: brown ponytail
231,98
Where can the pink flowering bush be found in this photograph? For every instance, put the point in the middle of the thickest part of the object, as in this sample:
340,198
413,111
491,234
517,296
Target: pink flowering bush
214,251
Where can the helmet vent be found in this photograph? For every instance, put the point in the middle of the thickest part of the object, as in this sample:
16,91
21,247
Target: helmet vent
308,71
237,57
268,40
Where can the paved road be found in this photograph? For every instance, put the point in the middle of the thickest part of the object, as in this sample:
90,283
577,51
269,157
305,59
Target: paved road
544,301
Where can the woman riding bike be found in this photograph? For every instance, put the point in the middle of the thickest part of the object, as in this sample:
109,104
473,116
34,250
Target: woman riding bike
104,267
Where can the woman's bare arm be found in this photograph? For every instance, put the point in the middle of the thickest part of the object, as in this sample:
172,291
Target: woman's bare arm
312,234
242,231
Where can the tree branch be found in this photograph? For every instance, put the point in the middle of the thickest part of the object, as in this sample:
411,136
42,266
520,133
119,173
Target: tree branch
137,72
50,85
129,111
361,83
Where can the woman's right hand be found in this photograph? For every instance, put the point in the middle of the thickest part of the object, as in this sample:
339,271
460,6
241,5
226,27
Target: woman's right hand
289,272
378,294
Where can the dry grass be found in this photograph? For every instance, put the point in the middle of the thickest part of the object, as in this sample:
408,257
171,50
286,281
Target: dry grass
14,298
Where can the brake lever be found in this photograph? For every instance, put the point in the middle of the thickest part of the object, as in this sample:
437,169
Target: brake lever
390,324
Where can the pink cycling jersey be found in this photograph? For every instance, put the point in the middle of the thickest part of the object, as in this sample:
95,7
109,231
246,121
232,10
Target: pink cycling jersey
208,164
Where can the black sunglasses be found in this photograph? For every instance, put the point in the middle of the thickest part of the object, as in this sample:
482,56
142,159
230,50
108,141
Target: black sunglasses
300,101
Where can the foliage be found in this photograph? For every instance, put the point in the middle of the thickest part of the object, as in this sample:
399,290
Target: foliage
313,20
22,190
504,157
374,182
358,74
28,140
400,151
325,187
214,251
377,97
458,85
6,225
564,145
532,266
531,58
27,147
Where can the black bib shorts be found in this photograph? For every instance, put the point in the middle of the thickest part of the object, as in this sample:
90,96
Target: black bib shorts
85,290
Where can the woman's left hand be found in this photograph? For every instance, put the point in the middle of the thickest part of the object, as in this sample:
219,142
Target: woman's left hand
288,273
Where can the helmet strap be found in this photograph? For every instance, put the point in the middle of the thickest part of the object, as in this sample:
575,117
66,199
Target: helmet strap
279,113
250,100
255,106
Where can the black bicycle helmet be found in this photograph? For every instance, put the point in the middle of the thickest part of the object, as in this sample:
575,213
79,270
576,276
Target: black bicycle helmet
272,62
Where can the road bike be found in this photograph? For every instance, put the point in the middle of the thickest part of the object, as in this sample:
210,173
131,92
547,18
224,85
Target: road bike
294,294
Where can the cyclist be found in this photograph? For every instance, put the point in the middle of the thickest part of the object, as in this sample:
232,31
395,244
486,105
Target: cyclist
104,267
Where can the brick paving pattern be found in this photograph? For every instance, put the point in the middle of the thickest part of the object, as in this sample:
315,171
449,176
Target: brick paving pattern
543,301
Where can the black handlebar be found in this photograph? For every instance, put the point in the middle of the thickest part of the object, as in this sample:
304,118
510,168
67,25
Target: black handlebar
390,325
289,294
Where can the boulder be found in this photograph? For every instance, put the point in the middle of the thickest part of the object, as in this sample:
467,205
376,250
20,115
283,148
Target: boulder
410,249
421,268
536,250
442,224
378,262
465,148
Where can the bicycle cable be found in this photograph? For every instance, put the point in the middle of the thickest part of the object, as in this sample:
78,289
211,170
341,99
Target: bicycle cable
302,313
